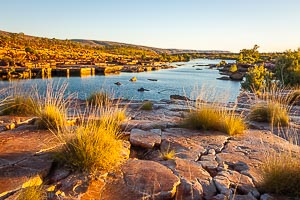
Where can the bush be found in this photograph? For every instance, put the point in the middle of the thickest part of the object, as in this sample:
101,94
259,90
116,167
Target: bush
94,145
256,79
281,175
99,98
233,68
18,105
272,112
148,105
287,68
210,117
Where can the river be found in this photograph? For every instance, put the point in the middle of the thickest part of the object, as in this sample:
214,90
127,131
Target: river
187,79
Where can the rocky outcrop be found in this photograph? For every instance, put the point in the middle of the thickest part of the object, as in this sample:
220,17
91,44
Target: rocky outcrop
204,164
25,158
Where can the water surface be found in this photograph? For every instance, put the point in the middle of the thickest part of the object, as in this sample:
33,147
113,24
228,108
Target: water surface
187,79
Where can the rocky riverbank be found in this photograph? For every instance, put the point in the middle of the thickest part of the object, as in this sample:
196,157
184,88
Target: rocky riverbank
205,165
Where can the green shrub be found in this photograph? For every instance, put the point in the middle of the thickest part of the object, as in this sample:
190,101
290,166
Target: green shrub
256,79
281,175
148,105
99,98
210,117
233,68
287,68
272,112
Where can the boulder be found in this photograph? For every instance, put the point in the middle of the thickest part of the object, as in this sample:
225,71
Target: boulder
237,76
145,139
142,179
24,158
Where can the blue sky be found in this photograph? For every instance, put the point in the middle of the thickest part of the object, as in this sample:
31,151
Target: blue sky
188,24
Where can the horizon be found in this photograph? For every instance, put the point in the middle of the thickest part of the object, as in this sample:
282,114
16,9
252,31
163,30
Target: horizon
200,25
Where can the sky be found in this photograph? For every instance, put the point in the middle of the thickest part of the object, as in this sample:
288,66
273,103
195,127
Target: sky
230,25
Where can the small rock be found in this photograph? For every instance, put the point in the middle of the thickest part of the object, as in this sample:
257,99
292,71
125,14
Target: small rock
266,197
10,126
222,183
118,83
145,139
142,89
220,197
133,79
151,79
179,97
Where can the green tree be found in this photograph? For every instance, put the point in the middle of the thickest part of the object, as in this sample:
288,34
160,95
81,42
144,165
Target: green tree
257,78
287,68
249,56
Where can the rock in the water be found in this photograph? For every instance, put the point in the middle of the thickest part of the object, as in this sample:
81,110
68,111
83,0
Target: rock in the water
118,83
179,97
133,79
237,76
145,139
224,78
152,79
142,89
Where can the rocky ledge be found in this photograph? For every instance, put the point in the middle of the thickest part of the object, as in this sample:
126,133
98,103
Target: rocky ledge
205,165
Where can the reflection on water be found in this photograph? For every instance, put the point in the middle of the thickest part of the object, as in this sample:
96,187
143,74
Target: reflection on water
186,80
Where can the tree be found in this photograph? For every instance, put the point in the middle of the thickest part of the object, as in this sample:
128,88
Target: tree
287,68
257,78
249,56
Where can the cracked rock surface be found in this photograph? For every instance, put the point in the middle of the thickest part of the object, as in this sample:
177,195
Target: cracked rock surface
205,165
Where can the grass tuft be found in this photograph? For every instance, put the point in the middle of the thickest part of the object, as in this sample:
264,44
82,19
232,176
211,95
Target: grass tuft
99,98
213,117
95,143
18,105
281,175
148,105
168,155
272,112
51,117
32,193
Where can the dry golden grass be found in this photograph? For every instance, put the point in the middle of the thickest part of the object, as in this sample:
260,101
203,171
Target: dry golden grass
281,175
18,105
214,117
94,144
32,193
271,112
51,108
99,98
272,106
167,154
